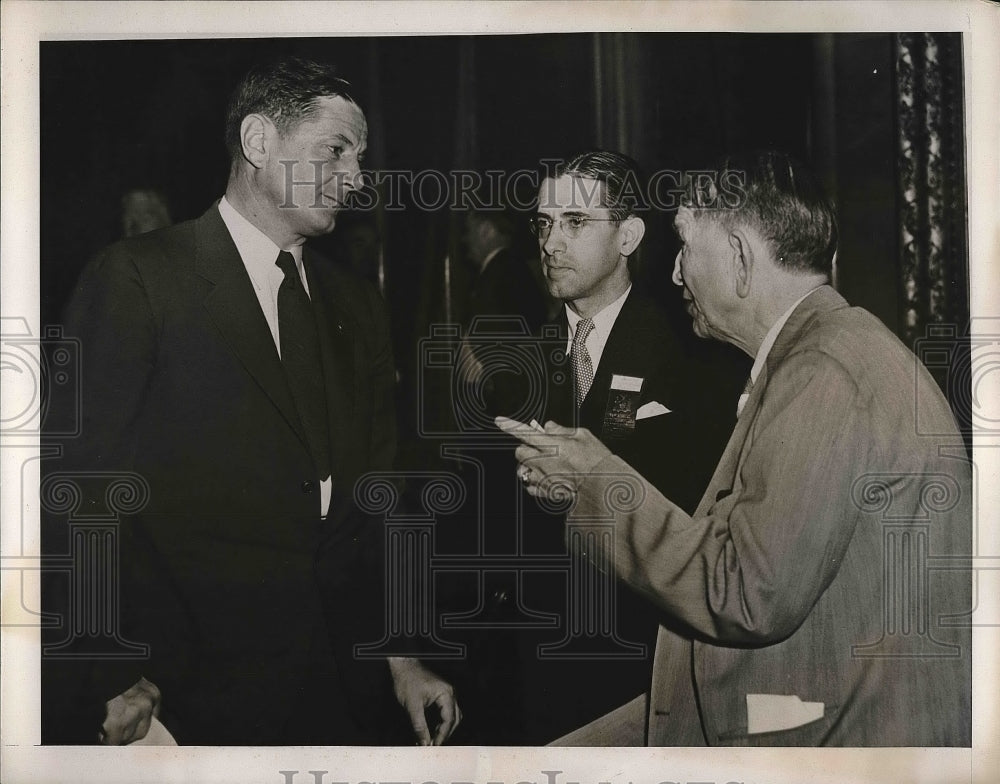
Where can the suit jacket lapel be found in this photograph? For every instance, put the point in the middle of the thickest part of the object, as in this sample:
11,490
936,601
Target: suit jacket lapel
821,300
235,310
560,405
617,354
725,472
337,336
623,354
617,350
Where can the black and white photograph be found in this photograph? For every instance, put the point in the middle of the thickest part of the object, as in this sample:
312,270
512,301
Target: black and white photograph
500,393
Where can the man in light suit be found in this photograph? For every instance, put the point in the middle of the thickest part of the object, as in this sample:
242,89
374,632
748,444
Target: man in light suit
249,382
640,392
802,605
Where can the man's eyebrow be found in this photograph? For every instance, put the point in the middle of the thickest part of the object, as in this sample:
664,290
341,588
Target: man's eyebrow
564,214
342,138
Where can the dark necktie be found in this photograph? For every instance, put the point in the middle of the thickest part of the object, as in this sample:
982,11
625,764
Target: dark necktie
300,357
583,368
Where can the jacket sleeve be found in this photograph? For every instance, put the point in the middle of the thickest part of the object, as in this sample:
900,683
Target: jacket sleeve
749,569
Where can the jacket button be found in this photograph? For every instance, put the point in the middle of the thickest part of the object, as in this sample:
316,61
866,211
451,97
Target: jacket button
308,486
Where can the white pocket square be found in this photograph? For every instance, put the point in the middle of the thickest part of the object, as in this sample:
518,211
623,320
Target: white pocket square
775,712
651,409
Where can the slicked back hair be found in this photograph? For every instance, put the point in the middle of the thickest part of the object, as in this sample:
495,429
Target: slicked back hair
285,91
620,175
780,198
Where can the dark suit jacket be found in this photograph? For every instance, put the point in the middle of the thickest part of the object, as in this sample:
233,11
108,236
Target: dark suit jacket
677,452
642,344
243,593
506,287
802,571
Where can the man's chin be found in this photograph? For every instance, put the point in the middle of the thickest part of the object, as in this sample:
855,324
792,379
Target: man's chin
557,291
325,222
701,329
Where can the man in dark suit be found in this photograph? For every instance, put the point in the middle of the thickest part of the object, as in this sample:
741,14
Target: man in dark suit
504,284
249,383
624,378
506,302
800,601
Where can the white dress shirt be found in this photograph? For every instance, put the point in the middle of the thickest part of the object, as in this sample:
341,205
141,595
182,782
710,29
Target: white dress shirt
604,322
260,256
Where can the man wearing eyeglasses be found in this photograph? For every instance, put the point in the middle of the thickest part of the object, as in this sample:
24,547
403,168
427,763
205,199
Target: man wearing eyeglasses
820,594
623,379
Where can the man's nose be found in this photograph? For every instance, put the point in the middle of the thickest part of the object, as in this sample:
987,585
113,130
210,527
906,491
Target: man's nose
556,239
354,180
676,277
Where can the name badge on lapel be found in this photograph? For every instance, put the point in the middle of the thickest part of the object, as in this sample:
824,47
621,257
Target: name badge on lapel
623,402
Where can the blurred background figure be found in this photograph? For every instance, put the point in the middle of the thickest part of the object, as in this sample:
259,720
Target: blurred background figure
144,209
506,298
358,245
505,284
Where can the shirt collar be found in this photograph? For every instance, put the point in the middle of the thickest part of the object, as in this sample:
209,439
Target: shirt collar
603,320
254,246
771,336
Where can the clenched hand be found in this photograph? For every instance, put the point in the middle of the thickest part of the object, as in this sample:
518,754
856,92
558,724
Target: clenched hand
128,715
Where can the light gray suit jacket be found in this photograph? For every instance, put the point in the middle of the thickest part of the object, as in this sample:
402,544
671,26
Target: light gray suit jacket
820,561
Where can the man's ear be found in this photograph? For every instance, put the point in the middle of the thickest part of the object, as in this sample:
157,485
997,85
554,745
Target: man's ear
253,139
634,228
742,260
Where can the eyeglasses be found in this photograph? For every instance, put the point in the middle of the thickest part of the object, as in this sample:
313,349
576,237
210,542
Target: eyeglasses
571,226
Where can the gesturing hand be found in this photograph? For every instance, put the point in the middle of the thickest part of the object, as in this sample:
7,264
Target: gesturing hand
128,715
553,459
417,689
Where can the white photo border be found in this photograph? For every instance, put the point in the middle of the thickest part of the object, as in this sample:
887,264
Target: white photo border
27,23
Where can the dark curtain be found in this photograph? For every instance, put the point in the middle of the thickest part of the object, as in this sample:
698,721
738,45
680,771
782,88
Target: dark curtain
880,115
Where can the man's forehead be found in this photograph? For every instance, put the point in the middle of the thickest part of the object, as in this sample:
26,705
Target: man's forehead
568,193
336,115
